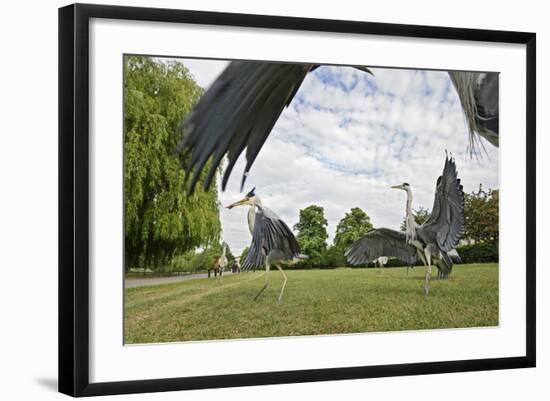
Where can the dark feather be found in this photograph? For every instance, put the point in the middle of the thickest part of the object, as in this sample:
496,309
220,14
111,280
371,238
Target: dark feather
381,242
445,225
445,264
478,93
270,234
237,112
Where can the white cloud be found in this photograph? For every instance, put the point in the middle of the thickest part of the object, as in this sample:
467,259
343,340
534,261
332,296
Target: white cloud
347,138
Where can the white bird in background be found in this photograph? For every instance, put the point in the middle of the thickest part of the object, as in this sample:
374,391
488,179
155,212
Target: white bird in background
380,262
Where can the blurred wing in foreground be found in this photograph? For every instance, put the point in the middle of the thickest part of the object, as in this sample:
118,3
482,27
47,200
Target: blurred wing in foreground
238,111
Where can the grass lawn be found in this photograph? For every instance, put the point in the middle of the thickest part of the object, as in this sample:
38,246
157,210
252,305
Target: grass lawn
315,302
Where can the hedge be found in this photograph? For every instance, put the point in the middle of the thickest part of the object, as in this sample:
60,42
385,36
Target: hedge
476,253
483,252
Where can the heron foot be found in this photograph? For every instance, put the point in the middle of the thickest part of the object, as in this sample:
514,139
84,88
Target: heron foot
260,292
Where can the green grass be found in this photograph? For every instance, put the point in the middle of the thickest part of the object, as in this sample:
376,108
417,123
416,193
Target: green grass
315,302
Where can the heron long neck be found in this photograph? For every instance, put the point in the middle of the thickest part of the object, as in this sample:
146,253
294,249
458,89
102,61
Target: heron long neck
252,214
251,217
409,218
223,251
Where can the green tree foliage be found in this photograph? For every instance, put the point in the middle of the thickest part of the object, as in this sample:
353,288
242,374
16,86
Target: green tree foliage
160,219
202,260
483,252
481,212
353,226
350,228
229,255
421,214
334,257
312,233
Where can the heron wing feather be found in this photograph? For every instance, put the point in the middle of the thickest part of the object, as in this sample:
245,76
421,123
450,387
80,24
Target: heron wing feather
478,93
381,242
270,234
446,222
238,111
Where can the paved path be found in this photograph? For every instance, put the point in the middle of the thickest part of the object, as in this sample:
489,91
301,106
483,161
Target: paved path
140,282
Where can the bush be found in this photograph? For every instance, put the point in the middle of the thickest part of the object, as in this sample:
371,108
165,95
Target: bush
483,252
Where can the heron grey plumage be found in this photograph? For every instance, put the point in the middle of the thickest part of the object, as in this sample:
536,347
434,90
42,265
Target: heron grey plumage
238,111
273,243
436,239
478,95
243,104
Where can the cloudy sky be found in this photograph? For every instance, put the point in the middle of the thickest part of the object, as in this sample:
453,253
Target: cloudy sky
346,138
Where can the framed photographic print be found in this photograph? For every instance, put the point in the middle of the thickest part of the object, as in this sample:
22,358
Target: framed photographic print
250,199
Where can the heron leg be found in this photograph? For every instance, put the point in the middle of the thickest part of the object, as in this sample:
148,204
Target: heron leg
266,279
429,271
284,283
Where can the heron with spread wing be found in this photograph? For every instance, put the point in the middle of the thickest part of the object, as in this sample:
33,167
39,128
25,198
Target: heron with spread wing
432,242
241,107
273,243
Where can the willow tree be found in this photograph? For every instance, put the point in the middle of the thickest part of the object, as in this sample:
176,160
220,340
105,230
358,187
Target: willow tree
160,219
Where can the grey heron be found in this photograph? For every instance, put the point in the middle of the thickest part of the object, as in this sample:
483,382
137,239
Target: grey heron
435,240
243,104
273,243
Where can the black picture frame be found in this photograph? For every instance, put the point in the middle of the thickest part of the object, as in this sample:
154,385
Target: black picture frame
74,199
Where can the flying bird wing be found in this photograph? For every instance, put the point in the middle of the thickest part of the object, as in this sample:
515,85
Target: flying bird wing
238,111
478,94
270,234
381,242
446,223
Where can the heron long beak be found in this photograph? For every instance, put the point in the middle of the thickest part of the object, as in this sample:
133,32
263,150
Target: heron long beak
238,203
397,186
